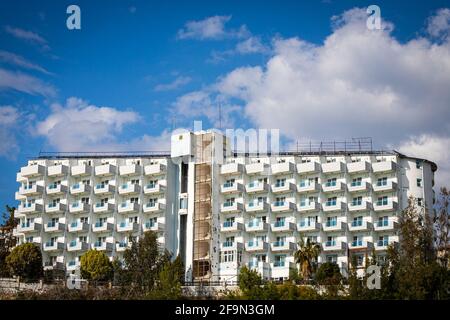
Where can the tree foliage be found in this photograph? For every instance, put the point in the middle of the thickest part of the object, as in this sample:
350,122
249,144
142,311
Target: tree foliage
95,266
328,274
306,257
25,261
7,238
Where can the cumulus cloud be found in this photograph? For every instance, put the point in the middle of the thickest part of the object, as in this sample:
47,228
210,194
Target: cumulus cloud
80,126
14,59
439,25
358,82
251,45
175,84
9,117
429,146
211,28
25,83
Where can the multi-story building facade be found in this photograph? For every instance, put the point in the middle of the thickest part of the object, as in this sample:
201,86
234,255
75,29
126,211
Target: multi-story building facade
217,209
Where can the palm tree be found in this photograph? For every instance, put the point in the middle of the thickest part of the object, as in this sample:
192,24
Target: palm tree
305,257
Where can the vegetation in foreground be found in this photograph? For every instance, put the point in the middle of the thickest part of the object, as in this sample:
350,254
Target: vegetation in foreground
417,268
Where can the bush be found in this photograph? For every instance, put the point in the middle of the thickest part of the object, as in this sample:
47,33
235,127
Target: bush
25,261
95,265
328,274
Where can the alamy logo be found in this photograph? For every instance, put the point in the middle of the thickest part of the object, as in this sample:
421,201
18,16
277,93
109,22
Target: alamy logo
74,280
374,277
374,20
74,20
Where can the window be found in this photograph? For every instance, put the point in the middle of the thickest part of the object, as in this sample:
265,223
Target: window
356,182
418,164
331,258
280,183
331,182
357,201
419,202
382,201
382,181
419,182
331,201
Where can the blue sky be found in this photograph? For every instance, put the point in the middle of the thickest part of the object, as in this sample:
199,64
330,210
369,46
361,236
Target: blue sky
138,68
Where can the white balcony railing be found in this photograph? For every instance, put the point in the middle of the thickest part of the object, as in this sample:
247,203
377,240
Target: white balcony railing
232,168
384,166
57,170
81,170
256,168
154,169
308,167
105,170
130,170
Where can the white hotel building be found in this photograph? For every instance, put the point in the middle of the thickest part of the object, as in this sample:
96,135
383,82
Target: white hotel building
217,209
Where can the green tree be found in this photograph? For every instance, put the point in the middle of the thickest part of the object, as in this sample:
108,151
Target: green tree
442,221
25,261
328,274
143,262
169,284
306,256
95,266
7,238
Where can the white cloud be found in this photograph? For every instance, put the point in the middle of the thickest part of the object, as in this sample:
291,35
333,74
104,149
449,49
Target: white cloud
9,117
27,36
210,28
358,82
20,61
439,24
79,126
251,45
435,148
178,82
25,83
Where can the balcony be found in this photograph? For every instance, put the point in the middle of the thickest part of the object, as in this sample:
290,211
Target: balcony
256,187
154,226
358,167
382,245
308,187
229,188
154,169
256,245
360,244
308,226
102,188
333,167
102,246
284,187
127,227
81,170
359,225
127,207
229,226
19,178
308,167
283,226
308,207
334,187
72,265
282,269
55,208
53,246
333,225
105,170
333,245
283,168
57,170
361,186
30,208
152,207
103,207
356,206
55,265
32,171
54,227
232,169
231,207
76,245
77,226
383,166
102,227
28,227
256,206
130,170
257,226
80,188
383,187
31,190
283,206
129,188
256,168
279,246
154,188
334,206
385,206
79,207
385,225
231,245
53,189
19,197
122,246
